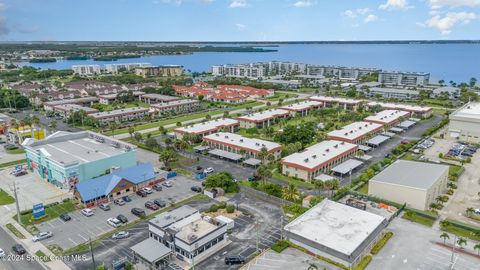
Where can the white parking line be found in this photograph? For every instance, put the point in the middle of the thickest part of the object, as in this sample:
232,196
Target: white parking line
81,236
75,243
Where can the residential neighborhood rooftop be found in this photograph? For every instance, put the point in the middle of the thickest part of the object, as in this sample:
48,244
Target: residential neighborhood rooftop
387,116
336,99
119,112
300,106
355,130
403,107
263,115
207,126
242,142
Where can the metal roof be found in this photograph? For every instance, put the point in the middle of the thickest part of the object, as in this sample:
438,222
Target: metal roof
377,140
151,250
225,154
347,166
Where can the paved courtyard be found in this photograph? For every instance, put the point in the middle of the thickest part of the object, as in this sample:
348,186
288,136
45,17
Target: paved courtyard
80,228
413,247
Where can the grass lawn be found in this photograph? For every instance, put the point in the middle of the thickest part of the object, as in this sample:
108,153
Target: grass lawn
12,163
454,169
15,231
418,219
363,189
5,198
42,256
409,156
244,105
16,151
278,96
290,180
460,232
51,213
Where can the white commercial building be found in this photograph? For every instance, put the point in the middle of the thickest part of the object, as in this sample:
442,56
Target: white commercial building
317,159
336,231
465,123
357,132
247,147
393,93
388,118
262,119
86,69
415,183
209,127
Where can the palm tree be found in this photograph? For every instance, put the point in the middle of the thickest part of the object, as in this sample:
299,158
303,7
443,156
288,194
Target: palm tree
477,247
444,236
461,241
113,126
263,154
290,193
469,211
162,130
53,125
319,184
131,130
264,172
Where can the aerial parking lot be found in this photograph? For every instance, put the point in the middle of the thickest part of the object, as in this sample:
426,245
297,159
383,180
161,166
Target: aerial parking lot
80,228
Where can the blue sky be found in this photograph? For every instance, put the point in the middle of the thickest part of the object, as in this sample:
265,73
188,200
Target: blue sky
238,20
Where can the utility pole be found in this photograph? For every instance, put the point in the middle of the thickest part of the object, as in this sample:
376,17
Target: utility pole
14,190
281,228
453,251
257,238
91,252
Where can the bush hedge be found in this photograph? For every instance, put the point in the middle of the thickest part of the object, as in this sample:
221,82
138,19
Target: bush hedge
381,243
230,208
363,263
280,246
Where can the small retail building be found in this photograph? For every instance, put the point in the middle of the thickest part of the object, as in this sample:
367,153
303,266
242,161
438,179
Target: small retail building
317,159
117,184
66,158
336,231
415,183
184,233
465,123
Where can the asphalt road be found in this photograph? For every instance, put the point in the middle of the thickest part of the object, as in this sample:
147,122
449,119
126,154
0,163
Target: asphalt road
15,263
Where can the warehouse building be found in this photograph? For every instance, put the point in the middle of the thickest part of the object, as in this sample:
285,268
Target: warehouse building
335,102
415,183
317,159
465,123
247,148
262,119
66,159
414,110
302,108
209,127
388,118
357,133
336,231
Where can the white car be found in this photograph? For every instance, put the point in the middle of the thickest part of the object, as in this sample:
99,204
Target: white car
147,190
477,211
2,253
114,222
41,236
167,184
208,170
121,235
87,212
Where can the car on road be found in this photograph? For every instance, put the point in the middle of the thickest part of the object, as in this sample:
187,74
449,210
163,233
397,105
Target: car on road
160,203
2,253
138,212
119,202
122,218
196,189
65,217
41,236
199,168
20,173
147,190
104,206
167,184
157,187
114,222
121,235
208,170
151,205
19,249
87,212
141,193
126,199
234,260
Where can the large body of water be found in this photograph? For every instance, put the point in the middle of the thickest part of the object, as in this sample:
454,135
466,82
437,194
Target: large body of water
457,62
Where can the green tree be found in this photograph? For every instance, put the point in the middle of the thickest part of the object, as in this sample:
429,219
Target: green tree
469,211
444,236
131,130
264,172
138,136
151,143
167,156
222,180
290,193
477,247
461,242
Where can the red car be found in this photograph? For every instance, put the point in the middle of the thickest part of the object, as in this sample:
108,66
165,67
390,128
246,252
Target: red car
151,206
20,173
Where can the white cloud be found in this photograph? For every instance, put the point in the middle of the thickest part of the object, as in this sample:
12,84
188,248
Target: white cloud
238,4
240,26
446,23
395,4
363,11
349,13
302,3
453,3
370,18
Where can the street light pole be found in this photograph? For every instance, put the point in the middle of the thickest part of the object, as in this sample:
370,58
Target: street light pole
14,190
91,252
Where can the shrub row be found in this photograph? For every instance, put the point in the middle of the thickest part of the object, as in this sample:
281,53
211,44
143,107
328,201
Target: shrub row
381,243
280,246
363,264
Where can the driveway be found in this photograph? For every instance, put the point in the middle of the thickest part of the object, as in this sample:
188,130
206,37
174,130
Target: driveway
81,228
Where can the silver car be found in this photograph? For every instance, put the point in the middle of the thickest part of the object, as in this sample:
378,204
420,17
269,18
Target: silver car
41,236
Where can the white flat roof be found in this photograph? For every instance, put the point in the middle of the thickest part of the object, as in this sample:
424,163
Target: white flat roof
174,103
335,99
263,116
355,130
387,116
336,226
238,141
470,110
403,107
74,107
319,153
113,113
211,125
304,105
347,166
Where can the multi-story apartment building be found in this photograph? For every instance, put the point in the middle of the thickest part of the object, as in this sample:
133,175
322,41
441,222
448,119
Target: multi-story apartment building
116,68
393,93
262,119
303,108
176,106
121,115
357,132
161,71
414,110
86,69
209,127
388,118
86,101
404,78
335,102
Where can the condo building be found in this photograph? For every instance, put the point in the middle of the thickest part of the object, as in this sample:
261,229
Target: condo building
262,119
356,133
209,127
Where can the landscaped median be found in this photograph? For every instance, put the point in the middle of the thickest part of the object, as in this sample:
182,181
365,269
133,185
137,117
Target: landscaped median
12,163
55,249
381,243
426,218
5,198
460,229
15,231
